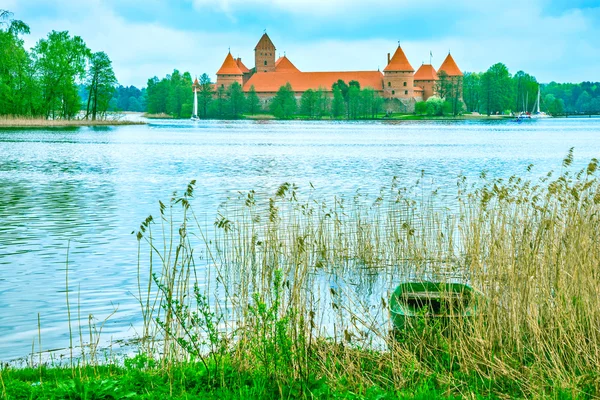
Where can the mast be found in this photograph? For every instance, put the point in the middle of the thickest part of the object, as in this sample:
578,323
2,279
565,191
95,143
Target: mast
195,103
538,99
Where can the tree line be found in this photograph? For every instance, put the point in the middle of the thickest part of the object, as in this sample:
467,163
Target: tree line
45,81
497,91
173,95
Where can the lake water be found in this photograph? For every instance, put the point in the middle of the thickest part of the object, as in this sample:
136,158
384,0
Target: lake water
91,187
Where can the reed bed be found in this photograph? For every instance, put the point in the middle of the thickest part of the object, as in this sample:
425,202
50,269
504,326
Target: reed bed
36,122
287,296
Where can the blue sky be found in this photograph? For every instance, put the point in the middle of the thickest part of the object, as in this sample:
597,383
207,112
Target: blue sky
551,39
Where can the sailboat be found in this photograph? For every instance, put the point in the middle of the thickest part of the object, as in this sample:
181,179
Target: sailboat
195,114
524,114
536,113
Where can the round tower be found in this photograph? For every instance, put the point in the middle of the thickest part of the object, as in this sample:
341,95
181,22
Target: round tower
264,55
398,77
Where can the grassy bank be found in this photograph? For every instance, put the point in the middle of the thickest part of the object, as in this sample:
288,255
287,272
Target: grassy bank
25,122
287,297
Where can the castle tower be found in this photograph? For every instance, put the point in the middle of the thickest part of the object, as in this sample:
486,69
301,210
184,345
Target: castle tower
450,71
398,77
264,55
426,78
229,73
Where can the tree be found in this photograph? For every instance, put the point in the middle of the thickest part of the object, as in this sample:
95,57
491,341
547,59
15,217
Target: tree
449,89
18,94
60,61
322,103
471,90
421,108
236,100
525,91
496,89
157,92
205,95
583,102
339,105
308,103
435,106
344,90
354,102
283,105
219,105
252,101
101,85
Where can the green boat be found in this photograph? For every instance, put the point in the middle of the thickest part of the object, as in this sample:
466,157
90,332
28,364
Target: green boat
431,300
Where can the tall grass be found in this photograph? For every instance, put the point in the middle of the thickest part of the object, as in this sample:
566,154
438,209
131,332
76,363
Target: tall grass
297,290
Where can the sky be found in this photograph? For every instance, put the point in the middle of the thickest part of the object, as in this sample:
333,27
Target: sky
554,40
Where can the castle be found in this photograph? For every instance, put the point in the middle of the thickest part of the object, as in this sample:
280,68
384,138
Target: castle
398,80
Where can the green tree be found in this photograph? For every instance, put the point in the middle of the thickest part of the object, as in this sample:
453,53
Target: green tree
205,95
101,85
496,89
525,90
219,105
435,106
60,62
338,106
472,90
354,102
283,105
421,108
308,103
157,92
236,100
583,102
252,101
322,103
18,88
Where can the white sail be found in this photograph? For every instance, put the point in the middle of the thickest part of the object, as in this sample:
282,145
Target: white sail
195,103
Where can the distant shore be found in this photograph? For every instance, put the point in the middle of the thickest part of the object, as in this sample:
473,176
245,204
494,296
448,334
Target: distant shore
24,122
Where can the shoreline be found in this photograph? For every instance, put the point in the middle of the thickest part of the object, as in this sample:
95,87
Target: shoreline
44,123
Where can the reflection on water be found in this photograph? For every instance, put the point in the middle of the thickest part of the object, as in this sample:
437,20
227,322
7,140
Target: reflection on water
87,189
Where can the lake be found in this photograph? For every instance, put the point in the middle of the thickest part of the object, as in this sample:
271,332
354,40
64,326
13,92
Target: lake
86,189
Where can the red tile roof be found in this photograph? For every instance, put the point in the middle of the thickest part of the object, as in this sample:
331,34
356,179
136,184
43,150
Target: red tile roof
229,67
426,73
283,64
241,66
265,43
196,83
449,67
417,89
399,62
301,81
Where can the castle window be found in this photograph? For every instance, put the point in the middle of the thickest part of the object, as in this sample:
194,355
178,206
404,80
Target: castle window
404,83
393,92
389,84
406,92
265,62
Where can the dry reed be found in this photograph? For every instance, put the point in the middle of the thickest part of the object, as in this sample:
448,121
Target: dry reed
301,288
